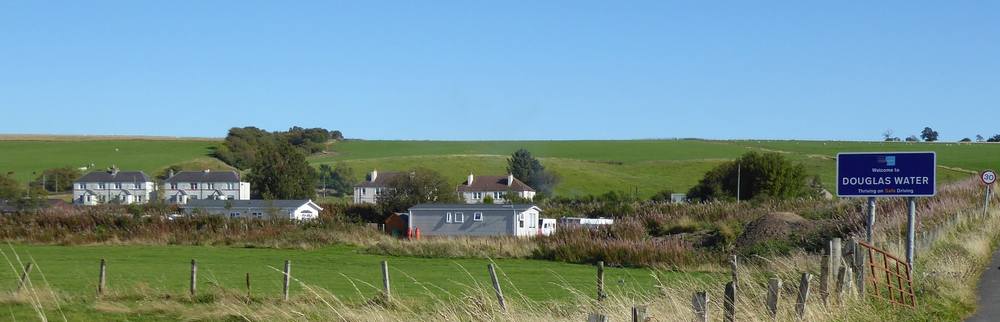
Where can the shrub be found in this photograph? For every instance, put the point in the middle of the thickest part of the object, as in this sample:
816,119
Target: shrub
760,175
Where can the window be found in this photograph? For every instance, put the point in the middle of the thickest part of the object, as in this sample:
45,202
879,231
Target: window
234,214
477,216
82,186
211,185
100,185
363,191
173,186
520,224
258,215
477,195
447,218
497,195
194,185
230,186
459,217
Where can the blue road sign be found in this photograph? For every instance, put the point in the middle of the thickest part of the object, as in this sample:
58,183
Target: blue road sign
886,174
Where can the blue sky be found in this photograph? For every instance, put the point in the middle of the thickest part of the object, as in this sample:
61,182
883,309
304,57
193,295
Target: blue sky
502,70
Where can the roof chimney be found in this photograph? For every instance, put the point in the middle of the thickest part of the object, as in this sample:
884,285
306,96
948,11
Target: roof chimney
374,174
208,170
469,182
170,174
113,170
510,179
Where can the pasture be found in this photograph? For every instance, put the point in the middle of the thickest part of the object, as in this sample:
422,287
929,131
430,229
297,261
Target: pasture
163,272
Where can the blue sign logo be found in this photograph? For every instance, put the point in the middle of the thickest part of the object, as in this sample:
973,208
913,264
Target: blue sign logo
886,174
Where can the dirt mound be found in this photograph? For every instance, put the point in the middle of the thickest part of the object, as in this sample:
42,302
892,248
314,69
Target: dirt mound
772,226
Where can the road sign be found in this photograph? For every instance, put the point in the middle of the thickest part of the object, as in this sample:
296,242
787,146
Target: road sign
886,174
988,177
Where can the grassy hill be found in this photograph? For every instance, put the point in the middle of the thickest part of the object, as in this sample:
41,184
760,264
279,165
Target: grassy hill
586,167
648,166
22,157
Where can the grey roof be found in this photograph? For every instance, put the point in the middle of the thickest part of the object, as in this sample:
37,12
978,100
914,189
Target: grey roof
493,183
381,180
202,176
256,203
463,206
120,176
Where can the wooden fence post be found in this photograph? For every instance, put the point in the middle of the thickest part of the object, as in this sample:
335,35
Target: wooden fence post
385,280
24,276
773,293
597,317
843,283
800,305
639,313
249,293
729,304
101,278
700,305
287,279
836,254
733,265
194,277
600,281
824,276
859,268
496,287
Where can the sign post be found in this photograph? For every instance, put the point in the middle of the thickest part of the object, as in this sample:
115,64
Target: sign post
888,174
988,177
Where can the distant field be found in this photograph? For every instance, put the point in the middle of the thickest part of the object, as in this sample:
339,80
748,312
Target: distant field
594,167
353,277
24,157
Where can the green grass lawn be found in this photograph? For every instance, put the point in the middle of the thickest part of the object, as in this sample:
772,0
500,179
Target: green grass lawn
72,270
24,157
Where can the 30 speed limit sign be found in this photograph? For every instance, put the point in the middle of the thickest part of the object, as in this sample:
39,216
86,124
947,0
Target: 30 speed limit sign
988,177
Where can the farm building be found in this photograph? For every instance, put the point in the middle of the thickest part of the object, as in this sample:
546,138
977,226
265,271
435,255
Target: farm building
475,219
475,189
256,209
369,190
113,186
197,185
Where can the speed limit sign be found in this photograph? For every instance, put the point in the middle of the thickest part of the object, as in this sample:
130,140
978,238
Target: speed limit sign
988,177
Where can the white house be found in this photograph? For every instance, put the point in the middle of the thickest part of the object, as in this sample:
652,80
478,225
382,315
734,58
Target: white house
585,222
475,189
254,209
373,186
181,187
113,186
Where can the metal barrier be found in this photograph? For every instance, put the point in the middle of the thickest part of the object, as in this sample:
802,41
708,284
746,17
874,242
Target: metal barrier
890,277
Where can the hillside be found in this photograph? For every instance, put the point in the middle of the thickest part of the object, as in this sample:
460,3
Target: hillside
586,167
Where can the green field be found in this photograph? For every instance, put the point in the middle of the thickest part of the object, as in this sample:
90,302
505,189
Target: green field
585,167
25,157
351,276
594,167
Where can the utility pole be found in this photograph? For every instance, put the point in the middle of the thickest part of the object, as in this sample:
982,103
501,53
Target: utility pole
739,179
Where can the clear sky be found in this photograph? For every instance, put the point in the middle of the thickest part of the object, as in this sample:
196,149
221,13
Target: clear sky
502,69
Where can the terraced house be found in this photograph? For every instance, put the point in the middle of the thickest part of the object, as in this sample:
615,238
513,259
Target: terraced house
113,186
476,189
184,186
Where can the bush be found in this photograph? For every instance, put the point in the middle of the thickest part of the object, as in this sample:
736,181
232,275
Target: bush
760,175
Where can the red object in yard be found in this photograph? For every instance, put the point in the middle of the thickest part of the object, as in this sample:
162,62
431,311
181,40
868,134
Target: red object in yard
409,233
416,232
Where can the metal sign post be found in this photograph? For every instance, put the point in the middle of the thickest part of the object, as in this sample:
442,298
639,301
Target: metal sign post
888,174
988,177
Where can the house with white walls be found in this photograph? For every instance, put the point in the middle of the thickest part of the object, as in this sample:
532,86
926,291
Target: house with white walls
254,209
476,188
113,187
179,188
374,185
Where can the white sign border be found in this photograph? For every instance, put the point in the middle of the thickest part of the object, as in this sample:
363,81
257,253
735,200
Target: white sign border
837,185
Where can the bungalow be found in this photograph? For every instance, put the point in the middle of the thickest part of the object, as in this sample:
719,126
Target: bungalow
256,209
376,183
476,189
474,219
198,185
113,186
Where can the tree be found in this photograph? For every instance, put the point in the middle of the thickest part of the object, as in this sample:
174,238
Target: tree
10,189
965,140
995,138
929,135
760,175
339,178
912,138
529,170
280,171
420,185
980,138
58,179
336,135
887,136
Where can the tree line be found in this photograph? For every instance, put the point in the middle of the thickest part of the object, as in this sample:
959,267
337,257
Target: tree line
930,135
